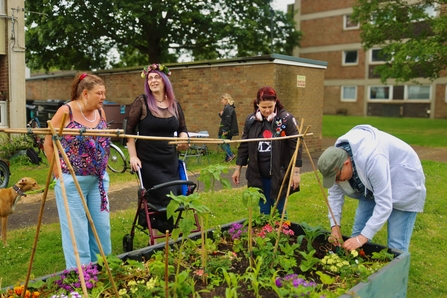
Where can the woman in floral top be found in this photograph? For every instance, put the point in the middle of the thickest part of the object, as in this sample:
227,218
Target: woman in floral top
88,156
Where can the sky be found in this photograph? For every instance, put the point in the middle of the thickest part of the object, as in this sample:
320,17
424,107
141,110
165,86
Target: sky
282,4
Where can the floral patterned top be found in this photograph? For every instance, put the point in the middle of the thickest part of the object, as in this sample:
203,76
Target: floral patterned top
88,155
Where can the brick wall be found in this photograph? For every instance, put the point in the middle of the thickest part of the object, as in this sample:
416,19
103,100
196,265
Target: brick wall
327,31
440,102
313,6
199,86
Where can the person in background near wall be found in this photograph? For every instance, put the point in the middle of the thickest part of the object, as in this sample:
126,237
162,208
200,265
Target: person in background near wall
88,155
384,174
156,113
228,125
268,160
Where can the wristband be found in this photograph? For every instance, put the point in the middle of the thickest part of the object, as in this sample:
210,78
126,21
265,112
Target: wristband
357,238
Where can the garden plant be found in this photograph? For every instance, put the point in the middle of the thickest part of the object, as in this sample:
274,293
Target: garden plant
306,206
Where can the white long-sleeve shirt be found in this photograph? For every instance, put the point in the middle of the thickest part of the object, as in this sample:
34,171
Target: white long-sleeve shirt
388,167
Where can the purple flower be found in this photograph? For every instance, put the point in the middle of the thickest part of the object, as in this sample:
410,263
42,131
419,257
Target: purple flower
294,280
236,231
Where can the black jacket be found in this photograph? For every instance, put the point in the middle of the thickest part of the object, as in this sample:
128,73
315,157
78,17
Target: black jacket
284,124
228,122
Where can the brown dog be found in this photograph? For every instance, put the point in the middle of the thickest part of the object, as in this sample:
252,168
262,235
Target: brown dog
9,198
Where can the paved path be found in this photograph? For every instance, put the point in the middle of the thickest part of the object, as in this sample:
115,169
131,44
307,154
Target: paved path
122,198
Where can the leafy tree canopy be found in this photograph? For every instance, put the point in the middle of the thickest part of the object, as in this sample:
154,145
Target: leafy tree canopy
412,34
79,35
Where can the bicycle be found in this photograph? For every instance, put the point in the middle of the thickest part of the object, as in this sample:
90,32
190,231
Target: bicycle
117,160
5,173
38,142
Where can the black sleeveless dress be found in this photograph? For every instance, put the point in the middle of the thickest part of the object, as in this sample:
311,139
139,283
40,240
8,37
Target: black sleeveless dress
159,160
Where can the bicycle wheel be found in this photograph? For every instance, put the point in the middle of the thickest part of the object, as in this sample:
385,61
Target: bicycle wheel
117,161
34,123
4,174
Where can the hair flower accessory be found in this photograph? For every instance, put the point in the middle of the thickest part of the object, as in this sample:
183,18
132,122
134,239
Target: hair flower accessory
160,67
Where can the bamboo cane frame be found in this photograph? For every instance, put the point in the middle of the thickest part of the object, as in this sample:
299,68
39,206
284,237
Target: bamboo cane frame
288,172
67,210
57,144
120,133
172,140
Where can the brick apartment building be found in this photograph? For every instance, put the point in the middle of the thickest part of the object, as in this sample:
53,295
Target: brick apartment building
350,87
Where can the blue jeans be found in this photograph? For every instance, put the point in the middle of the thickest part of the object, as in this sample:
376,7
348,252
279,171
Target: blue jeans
84,237
226,147
400,224
266,207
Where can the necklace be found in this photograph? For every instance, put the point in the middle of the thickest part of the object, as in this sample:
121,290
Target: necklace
91,121
160,101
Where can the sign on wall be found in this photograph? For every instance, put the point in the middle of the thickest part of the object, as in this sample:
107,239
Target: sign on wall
301,81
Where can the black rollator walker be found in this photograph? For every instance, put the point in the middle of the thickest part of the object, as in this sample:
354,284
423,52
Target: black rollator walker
152,217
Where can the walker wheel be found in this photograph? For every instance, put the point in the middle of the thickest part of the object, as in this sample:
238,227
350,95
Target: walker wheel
127,243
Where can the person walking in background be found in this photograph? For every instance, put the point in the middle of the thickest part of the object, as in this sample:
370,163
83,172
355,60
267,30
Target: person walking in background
156,113
88,155
384,174
228,127
268,160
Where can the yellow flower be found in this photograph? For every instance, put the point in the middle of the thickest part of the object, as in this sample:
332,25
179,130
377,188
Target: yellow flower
354,253
132,283
122,292
143,75
151,283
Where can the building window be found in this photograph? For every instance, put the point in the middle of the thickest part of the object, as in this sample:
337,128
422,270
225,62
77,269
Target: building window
349,24
350,57
349,93
418,92
398,92
404,93
3,110
377,56
379,92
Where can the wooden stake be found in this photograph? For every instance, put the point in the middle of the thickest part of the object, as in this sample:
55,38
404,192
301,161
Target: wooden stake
167,263
39,222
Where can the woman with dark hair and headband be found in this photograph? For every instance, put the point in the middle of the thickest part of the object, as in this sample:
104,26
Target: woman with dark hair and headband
267,161
88,156
156,113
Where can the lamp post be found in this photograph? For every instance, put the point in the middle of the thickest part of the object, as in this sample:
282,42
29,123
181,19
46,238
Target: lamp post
272,14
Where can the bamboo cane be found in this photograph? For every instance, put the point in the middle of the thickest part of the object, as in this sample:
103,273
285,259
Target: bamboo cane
167,264
121,134
56,144
288,172
289,167
39,222
322,189
78,187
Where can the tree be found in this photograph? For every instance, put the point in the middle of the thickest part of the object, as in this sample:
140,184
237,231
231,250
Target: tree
410,35
79,35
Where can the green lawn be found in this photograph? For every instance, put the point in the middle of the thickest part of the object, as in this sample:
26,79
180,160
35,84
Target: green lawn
427,272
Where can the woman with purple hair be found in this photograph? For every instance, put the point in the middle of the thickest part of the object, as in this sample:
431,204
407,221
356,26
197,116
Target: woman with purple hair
156,113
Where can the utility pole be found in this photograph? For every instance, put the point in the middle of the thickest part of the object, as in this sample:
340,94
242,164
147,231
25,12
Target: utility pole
272,14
